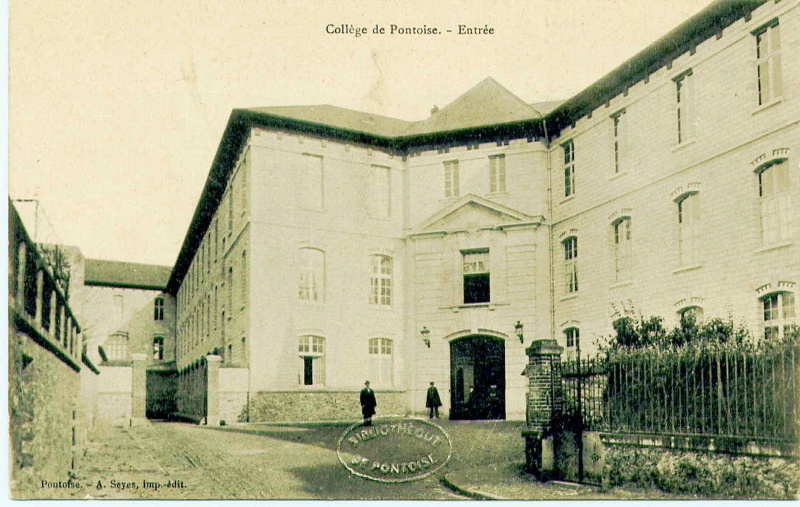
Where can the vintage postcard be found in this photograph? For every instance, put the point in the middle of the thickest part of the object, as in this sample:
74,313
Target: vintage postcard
274,250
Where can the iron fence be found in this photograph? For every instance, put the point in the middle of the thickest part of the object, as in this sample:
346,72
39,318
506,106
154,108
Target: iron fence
713,391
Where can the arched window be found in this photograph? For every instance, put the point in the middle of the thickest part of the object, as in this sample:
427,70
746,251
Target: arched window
695,313
381,354
311,285
381,280
622,249
779,314
158,308
571,264
775,200
311,350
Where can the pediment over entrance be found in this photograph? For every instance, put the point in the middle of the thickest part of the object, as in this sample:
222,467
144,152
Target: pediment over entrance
473,212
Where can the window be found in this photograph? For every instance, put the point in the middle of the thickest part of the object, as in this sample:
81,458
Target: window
768,62
689,240
691,314
382,360
573,336
312,275
311,182
622,249
776,209
476,277
311,350
497,173
116,347
243,278
571,264
569,168
158,309
618,135
381,280
230,209
779,314
243,184
158,348
683,106
119,307
452,187
379,198
230,292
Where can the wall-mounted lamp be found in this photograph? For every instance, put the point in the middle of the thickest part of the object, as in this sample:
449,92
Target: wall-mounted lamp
518,329
425,332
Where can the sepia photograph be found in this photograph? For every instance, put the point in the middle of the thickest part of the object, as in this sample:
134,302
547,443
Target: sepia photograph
273,250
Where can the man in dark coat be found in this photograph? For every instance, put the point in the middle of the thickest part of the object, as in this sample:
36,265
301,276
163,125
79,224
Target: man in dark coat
433,402
368,404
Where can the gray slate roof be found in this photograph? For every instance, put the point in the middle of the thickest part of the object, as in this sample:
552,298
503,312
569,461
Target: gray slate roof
126,275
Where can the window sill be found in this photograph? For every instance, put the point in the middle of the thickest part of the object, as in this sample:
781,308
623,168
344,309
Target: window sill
766,106
381,308
502,193
572,295
623,283
566,199
683,145
683,269
311,304
774,246
618,175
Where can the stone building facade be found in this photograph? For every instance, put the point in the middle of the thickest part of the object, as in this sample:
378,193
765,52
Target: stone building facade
331,246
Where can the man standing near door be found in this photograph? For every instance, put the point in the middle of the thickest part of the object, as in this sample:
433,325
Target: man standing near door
368,404
433,402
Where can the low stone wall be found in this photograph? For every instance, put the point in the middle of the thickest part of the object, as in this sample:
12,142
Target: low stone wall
266,406
114,395
707,474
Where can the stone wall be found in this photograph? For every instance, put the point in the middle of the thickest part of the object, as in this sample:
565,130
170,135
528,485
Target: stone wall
43,400
233,394
320,406
114,395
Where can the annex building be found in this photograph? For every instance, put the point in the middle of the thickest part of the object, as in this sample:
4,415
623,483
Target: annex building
330,246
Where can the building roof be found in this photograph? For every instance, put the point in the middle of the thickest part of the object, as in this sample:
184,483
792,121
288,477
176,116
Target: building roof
484,113
126,275
487,103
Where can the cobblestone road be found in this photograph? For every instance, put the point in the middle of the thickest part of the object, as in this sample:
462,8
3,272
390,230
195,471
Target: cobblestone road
191,462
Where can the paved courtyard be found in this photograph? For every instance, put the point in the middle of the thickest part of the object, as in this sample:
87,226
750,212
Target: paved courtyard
173,461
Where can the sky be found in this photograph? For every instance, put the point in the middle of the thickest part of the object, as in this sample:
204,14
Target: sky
117,108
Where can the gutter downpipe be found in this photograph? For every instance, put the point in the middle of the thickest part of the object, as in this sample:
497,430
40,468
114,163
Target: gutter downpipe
551,263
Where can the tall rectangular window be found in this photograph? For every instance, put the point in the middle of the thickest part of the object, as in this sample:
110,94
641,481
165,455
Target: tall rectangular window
311,350
158,308
476,277
497,173
452,187
684,106
618,133
622,249
312,275
768,62
776,209
573,336
689,239
379,198
158,348
569,168
571,264
382,359
381,280
312,184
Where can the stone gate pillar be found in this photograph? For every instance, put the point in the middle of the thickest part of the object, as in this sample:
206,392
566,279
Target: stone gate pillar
212,390
139,389
543,405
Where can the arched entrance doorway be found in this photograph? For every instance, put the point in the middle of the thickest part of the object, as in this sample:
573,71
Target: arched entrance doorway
478,378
